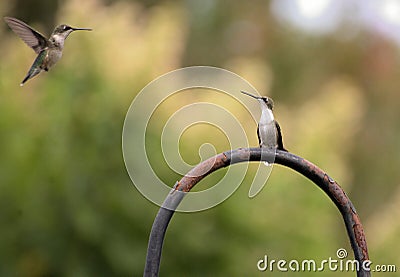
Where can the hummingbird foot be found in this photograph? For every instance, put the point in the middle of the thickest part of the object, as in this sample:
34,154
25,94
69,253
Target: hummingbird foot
267,164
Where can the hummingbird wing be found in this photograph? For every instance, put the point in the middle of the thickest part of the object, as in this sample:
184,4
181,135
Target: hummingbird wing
31,37
279,137
258,134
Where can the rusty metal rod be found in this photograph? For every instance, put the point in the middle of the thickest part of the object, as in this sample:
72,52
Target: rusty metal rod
320,178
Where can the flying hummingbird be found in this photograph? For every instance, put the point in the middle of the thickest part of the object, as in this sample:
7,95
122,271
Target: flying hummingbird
49,50
268,130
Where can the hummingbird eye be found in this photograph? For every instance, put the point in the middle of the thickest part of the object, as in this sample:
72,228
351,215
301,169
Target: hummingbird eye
269,102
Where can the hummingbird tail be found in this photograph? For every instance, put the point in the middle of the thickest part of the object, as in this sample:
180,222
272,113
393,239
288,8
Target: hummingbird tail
25,79
36,67
279,137
32,73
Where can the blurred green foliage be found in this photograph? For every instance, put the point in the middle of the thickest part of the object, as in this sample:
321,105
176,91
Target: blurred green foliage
67,205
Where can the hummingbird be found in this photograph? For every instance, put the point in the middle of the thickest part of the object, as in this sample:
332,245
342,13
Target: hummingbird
268,129
49,50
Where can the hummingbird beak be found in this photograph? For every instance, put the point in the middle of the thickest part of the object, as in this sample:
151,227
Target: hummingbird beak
244,92
81,29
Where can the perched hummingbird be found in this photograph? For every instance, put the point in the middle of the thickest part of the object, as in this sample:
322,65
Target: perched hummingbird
49,50
268,130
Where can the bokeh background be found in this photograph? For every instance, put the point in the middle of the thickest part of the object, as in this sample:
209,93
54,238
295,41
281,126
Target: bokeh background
67,205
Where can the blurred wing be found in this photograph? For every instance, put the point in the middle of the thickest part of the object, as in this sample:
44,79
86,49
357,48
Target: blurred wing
32,38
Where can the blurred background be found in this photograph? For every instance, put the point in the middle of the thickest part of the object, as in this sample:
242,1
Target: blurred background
67,205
